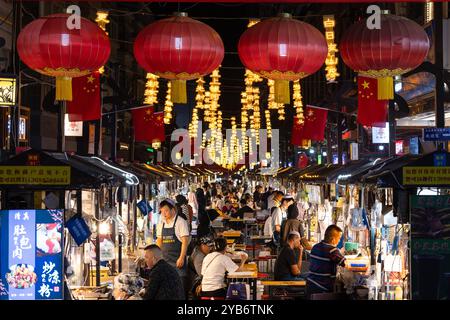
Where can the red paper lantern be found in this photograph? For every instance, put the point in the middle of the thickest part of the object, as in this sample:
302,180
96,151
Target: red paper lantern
47,46
399,46
282,49
303,161
179,48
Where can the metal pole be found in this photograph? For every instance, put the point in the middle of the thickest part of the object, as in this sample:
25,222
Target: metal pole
392,125
111,206
329,146
439,63
114,135
339,137
120,234
135,195
62,118
97,239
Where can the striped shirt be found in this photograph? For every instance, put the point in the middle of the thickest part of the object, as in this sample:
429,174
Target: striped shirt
324,261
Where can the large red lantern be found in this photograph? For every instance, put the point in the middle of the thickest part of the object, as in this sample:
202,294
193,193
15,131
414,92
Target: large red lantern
47,46
282,49
179,48
399,46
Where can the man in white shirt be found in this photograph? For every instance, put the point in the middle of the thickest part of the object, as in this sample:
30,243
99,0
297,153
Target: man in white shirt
213,270
278,215
172,234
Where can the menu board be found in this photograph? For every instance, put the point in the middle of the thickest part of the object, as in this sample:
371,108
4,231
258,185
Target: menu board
31,254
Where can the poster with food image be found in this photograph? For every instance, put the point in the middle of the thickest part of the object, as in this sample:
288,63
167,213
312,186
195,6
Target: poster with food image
48,238
31,260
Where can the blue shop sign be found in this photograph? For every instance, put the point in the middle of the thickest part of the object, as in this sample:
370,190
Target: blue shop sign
436,134
31,254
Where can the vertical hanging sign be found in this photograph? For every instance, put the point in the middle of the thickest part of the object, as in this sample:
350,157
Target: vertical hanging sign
31,254
331,61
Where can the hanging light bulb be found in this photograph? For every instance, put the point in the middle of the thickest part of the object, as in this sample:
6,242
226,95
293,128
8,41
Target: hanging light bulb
168,105
268,124
298,104
151,89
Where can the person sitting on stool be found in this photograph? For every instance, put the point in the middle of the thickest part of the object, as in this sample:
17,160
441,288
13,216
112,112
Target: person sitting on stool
325,258
288,265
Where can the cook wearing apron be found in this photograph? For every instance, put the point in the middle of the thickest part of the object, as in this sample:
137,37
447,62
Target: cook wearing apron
171,247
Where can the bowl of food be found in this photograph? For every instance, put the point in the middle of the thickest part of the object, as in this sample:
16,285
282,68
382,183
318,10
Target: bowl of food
22,276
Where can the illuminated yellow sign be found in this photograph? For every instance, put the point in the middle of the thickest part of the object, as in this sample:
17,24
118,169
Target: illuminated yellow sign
331,61
37,175
426,176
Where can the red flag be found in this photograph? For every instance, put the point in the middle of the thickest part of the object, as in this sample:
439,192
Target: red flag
158,131
313,127
85,104
315,122
371,111
148,126
142,122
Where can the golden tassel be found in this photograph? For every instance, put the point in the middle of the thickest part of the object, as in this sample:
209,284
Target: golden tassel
306,143
281,90
63,89
385,88
179,94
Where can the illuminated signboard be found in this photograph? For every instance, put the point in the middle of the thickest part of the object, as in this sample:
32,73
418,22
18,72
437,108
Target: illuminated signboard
331,61
36,175
31,252
380,135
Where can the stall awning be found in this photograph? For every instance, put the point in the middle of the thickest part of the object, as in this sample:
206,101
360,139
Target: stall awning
157,171
318,175
127,178
40,170
390,172
342,173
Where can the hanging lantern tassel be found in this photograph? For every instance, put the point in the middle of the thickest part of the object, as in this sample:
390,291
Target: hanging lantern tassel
385,88
179,91
63,89
281,90
306,143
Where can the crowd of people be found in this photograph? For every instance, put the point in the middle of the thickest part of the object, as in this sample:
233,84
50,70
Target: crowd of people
185,265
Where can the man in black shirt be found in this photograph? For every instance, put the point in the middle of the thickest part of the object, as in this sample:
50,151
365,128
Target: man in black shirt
257,196
288,265
245,208
164,282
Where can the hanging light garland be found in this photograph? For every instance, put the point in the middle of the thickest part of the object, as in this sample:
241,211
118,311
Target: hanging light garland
272,104
298,104
168,105
199,105
268,124
151,89
193,126
102,21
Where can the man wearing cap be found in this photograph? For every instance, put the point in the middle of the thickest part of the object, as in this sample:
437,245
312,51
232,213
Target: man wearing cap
173,237
203,247
288,265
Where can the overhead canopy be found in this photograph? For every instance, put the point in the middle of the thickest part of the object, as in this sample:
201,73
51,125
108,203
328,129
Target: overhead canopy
425,168
127,178
46,170
342,173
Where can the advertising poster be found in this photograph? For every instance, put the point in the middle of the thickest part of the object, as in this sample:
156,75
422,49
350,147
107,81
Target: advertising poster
430,247
31,254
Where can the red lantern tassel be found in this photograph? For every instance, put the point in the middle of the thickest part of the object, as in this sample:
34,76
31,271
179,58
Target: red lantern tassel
178,93
281,91
63,89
